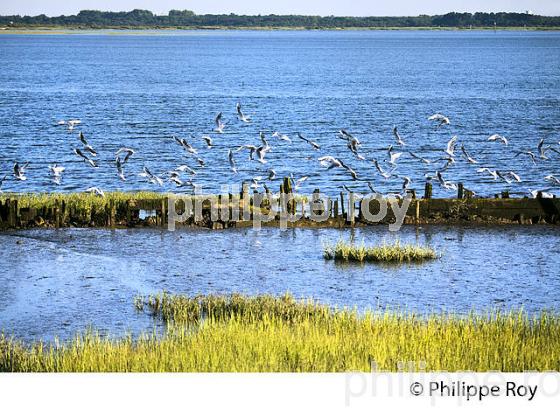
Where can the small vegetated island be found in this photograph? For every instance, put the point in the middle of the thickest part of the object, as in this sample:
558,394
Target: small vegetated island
139,19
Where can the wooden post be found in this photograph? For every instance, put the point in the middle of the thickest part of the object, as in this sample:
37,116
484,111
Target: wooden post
128,212
351,209
342,204
56,213
417,212
163,213
428,191
460,190
288,190
335,209
11,206
244,198
63,213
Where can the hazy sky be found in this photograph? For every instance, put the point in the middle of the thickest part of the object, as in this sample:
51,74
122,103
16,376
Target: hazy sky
313,7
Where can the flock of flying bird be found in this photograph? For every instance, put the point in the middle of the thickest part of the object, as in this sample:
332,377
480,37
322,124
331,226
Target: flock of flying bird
183,175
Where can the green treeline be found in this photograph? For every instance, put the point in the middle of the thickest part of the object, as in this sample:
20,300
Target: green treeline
187,18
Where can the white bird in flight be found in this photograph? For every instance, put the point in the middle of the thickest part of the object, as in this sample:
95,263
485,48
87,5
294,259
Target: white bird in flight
440,119
240,114
96,191
219,124
398,136
498,137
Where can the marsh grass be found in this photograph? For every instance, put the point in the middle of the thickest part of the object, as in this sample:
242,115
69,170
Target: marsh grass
80,200
237,333
384,253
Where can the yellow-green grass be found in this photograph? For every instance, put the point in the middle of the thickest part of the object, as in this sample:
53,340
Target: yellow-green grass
79,199
268,334
395,252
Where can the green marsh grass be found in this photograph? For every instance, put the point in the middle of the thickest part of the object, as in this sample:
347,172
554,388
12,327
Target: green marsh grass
238,333
395,252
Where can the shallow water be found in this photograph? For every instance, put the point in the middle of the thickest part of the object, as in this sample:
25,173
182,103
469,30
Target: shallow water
58,282
140,90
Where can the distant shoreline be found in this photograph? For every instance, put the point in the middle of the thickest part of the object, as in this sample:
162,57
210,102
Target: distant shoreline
124,29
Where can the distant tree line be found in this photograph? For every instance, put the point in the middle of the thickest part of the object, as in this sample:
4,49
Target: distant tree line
187,18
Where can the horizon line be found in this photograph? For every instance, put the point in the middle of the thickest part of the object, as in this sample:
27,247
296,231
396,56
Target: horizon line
162,14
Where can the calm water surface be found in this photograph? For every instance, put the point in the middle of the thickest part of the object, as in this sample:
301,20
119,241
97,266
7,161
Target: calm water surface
57,282
140,90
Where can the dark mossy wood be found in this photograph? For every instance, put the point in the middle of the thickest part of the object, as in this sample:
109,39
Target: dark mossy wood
460,190
428,191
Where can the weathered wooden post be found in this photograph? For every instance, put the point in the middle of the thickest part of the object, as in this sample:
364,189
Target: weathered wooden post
342,204
288,190
245,198
282,200
428,191
460,190
63,213
335,209
351,209
163,213
11,205
56,213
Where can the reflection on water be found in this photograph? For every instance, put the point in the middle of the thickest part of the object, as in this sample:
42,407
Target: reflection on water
57,282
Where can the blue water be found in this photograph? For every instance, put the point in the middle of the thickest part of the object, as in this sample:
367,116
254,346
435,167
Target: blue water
58,282
139,90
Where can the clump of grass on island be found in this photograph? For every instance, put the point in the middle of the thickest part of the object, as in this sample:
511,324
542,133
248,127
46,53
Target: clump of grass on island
395,252
237,333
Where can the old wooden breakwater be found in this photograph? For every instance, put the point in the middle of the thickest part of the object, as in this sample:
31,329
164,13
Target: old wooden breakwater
120,209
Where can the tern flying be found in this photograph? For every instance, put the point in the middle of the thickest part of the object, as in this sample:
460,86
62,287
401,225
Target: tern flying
232,162
541,149
494,174
300,181
56,172
219,124
208,141
90,161
282,137
552,179
87,147
445,184
330,162
467,156
383,173
19,171
529,153
450,150
398,136
129,152
393,156
120,171
154,179
185,168
240,114
498,137
440,119
96,191
312,143
424,160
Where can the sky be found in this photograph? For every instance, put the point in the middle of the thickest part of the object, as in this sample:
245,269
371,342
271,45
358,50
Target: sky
309,7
